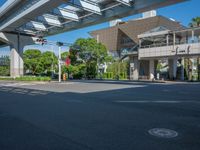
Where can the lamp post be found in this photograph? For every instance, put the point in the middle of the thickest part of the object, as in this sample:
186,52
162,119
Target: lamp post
59,44
52,68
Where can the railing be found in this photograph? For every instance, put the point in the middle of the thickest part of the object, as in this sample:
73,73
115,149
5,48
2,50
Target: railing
169,44
179,49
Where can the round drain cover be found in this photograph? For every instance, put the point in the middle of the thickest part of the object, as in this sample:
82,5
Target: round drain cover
163,133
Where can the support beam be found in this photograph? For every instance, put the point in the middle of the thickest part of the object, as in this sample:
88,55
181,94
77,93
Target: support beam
66,13
27,12
172,63
125,2
36,25
50,20
87,5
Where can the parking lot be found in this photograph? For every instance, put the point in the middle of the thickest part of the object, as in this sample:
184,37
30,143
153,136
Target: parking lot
99,115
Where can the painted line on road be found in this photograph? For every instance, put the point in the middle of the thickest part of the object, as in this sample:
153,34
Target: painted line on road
169,102
16,84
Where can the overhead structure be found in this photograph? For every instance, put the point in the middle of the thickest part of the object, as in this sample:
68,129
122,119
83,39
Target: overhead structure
49,17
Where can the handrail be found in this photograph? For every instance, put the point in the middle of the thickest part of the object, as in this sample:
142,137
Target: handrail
169,44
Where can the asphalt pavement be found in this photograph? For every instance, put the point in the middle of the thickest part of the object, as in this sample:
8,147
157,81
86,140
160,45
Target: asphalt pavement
98,115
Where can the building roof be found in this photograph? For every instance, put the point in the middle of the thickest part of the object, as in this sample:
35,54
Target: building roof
110,37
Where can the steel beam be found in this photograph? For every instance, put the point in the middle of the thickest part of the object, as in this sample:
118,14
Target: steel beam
125,2
36,25
66,13
50,20
87,6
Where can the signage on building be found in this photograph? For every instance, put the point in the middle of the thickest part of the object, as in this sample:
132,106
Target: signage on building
132,65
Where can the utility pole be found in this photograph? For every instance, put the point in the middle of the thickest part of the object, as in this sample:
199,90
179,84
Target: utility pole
59,60
52,68
59,63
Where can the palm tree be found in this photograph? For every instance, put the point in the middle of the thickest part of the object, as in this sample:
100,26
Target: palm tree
196,23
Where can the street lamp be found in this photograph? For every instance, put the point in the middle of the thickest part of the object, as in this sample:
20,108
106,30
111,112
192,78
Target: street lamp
59,44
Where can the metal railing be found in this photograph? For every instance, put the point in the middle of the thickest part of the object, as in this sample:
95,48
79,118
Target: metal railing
169,44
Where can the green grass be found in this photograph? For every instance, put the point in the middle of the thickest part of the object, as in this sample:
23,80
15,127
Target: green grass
6,78
27,78
32,78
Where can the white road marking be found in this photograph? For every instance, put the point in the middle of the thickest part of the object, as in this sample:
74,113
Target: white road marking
15,84
163,133
146,101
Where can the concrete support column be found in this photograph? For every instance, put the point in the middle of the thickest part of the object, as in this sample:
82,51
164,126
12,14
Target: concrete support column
134,68
17,43
172,68
151,69
16,62
182,69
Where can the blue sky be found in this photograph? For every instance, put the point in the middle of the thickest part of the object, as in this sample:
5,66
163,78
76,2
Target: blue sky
182,12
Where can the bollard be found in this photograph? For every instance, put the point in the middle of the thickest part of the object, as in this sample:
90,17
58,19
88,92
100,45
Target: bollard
64,77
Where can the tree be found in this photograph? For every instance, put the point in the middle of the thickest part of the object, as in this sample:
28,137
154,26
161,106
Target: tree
89,52
64,55
37,62
48,60
196,23
32,61
4,66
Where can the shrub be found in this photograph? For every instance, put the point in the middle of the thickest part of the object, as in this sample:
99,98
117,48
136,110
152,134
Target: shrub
32,78
4,70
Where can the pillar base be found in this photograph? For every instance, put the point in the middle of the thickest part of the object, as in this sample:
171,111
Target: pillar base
16,72
172,63
134,68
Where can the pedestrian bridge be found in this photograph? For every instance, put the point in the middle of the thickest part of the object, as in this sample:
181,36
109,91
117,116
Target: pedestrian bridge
180,50
21,20
182,43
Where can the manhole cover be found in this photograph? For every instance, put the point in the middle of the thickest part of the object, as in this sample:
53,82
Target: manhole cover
163,133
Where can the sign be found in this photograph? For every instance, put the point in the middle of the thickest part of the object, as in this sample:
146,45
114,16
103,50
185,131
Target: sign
67,61
132,65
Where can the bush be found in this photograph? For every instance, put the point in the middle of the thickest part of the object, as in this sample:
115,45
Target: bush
6,78
32,78
123,76
4,70
118,70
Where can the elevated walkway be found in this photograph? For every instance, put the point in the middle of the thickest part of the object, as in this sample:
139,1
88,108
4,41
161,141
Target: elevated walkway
183,43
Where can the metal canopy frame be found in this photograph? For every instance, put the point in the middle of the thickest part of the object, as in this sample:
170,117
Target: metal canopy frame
49,17
69,12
